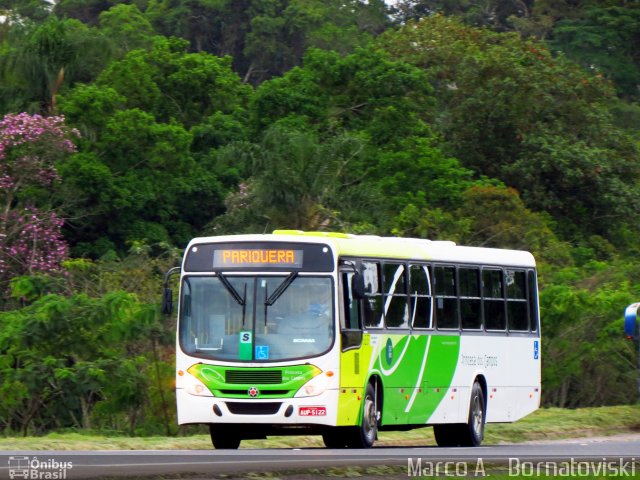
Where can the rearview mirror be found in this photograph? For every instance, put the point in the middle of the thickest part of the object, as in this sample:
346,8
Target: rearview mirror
167,301
357,286
167,293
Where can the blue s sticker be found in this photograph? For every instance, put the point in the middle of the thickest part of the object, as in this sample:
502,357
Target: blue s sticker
536,350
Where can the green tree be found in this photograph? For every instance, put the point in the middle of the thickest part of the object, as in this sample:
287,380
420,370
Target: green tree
42,59
267,38
587,361
127,27
495,14
367,91
509,110
139,163
89,107
142,173
32,9
484,215
86,11
172,84
499,218
604,39
384,103
64,357
295,182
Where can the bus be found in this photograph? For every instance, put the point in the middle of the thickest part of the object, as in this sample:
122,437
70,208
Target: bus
345,335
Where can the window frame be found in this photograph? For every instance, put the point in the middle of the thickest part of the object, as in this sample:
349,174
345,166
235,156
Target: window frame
376,295
477,298
457,299
512,300
394,296
426,268
454,298
486,299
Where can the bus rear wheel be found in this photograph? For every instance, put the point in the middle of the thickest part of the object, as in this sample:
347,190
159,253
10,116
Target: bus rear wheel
366,434
477,411
468,434
223,439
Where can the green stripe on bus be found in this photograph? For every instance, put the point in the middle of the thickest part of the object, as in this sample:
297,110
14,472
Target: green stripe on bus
416,371
235,382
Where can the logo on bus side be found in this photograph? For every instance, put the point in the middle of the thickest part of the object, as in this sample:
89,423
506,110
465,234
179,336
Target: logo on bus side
253,392
389,351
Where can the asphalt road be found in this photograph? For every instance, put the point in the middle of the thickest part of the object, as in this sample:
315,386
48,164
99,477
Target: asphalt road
611,458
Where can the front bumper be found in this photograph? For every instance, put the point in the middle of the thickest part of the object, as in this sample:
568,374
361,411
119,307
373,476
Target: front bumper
317,410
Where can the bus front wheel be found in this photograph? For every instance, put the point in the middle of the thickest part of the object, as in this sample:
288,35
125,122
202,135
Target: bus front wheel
223,439
335,438
366,434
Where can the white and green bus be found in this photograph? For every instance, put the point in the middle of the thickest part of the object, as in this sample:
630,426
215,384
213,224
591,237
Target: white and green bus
346,335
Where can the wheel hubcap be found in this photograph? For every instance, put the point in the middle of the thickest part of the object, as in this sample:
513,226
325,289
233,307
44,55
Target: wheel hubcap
477,416
369,417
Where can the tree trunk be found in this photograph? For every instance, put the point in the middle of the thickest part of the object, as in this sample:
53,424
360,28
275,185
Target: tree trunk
564,391
165,413
86,412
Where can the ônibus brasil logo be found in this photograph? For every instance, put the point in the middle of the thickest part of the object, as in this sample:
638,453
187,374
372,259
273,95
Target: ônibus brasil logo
33,468
253,392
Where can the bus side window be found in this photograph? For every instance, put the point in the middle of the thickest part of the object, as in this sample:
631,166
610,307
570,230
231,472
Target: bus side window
517,315
532,299
373,295
495,317
470,303
395,295
420,296
446,297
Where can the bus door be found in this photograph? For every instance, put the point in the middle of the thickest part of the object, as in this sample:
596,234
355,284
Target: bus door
355,349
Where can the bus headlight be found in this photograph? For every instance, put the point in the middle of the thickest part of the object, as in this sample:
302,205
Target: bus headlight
316,386
193,386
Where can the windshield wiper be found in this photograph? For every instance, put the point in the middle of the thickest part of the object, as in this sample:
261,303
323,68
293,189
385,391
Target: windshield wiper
234,293
281,288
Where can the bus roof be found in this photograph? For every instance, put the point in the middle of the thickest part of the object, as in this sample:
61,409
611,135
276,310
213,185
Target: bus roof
389,247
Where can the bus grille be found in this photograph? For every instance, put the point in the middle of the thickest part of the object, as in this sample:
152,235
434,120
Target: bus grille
263,393
253,408
250,377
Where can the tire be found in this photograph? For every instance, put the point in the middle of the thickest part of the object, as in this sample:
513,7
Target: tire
474,432
335,438
223,439
468,434
447,435
366,434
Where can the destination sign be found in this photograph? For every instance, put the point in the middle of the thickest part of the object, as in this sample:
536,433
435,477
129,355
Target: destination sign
257,257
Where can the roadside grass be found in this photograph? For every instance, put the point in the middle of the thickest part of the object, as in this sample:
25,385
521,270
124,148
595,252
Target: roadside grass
397,472
544,424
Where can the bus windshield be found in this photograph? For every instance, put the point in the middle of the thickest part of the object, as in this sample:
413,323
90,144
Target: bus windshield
256,318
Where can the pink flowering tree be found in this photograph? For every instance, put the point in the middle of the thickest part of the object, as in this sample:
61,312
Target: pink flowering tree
30,236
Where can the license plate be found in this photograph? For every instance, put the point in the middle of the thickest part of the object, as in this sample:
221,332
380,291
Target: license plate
312,411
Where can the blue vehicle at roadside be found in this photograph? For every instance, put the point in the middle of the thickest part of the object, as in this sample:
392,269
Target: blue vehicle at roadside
631,325
632,329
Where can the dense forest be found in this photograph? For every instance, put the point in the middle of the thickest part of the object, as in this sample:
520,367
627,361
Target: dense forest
130,126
